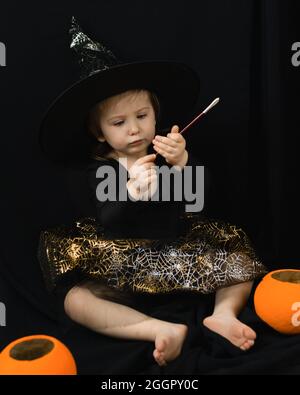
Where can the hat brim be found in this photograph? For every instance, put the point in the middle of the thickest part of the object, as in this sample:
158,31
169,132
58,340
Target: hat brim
63,136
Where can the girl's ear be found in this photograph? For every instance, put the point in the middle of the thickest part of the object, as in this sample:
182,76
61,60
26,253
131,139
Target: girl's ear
101,139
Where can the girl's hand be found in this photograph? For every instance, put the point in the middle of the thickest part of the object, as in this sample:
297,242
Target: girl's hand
172,147
142,184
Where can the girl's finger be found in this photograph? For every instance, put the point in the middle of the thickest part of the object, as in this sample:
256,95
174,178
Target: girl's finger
176,137
165,147
166,155
175,129
145,159
148,182
147,173
136,170
165,140
146,166
159,150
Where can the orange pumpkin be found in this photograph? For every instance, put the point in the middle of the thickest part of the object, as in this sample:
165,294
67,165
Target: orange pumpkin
277,300
37,354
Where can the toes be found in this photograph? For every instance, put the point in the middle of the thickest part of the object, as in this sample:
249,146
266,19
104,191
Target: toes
249,334
162,362
246,345
159,358
156,355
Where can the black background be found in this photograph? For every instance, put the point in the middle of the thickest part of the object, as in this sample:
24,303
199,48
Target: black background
242,51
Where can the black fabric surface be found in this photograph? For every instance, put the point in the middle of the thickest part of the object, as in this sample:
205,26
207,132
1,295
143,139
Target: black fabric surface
242,51
204,352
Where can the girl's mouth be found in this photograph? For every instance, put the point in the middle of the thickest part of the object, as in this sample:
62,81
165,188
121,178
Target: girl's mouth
136,142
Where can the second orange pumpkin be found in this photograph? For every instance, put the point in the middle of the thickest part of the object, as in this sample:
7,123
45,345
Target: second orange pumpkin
277,300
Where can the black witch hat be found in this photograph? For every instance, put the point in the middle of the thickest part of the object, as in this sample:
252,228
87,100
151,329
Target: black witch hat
63,135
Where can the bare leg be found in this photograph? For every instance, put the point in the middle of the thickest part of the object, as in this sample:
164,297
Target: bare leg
228,304
116,320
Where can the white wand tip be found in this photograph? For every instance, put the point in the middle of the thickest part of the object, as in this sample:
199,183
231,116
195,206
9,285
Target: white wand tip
212,104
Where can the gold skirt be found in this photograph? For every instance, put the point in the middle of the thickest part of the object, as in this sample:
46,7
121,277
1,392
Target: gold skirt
210,255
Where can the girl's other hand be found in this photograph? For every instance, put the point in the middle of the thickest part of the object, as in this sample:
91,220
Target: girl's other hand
143,178
172,147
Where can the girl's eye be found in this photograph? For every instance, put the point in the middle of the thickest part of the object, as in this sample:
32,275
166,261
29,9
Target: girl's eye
141,116
119,123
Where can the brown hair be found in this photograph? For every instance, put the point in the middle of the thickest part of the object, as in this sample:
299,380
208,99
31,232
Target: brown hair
100,150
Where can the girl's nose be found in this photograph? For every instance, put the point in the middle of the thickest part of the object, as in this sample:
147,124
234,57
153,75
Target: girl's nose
133,129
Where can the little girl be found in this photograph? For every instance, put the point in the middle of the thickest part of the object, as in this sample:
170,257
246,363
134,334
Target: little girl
140,245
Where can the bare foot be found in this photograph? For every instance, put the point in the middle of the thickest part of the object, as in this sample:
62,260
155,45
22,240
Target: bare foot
168,343
232,329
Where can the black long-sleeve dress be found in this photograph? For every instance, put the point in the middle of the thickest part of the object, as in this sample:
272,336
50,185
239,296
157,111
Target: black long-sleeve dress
140,219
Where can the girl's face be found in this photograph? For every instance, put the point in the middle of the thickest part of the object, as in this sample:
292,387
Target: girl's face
127,122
